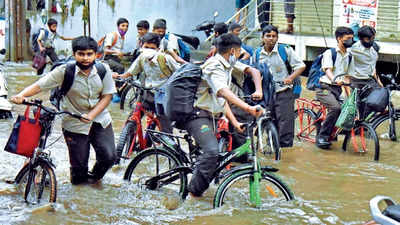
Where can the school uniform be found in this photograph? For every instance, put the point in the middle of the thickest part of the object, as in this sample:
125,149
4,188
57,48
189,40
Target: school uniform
48,44
154,77
113,60
329,94
284,101
209,107
85,93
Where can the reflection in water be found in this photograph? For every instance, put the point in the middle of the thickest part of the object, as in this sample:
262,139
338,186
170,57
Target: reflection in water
331,187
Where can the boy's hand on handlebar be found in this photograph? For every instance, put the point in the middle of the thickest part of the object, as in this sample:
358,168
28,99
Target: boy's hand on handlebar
86,118
257,95
115,75
18,99
255,111
239,127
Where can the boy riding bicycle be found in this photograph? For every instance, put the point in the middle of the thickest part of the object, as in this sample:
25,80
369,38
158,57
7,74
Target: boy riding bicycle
330,92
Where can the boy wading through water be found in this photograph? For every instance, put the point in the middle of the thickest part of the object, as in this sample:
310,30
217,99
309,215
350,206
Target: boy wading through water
89,97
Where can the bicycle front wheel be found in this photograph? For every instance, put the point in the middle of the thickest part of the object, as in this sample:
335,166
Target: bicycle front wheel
129,96
387,128
305,127
270,140
126,140
38,184
153,162
362,139
235,190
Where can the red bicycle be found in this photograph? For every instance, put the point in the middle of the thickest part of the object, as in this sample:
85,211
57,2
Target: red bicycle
133,138
309,116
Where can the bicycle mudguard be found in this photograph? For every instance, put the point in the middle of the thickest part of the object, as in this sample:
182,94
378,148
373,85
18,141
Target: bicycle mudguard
246,167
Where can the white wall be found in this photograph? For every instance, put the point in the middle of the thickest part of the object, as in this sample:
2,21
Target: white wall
181,15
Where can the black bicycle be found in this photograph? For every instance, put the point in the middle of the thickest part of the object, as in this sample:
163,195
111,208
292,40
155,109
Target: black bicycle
386,123
166,169
37,179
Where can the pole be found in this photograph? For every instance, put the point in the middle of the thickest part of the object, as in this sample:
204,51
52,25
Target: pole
90,34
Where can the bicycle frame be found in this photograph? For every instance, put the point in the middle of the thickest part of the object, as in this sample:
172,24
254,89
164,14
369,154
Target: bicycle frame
314,106
137,116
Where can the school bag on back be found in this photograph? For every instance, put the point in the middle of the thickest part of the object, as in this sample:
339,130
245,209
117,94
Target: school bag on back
316,72
180,93
184,50
57,93
100,44
283,54
35,45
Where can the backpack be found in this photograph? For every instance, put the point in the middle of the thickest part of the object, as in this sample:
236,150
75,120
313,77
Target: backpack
35,45
316,72
58,93
283,54
100,44
179,94
184,50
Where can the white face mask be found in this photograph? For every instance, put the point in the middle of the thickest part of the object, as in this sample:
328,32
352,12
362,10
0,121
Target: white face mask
232,60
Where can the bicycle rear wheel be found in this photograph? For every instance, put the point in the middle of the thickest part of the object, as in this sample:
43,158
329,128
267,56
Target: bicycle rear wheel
362,139
38,184
235,190
304,126
126,140
270,140
153,162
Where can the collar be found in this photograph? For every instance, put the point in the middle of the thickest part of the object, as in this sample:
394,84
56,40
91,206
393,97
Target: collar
119,35
93,71
221,59
275,49
338,50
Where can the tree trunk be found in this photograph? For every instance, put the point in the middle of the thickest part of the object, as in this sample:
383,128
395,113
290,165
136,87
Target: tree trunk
17,39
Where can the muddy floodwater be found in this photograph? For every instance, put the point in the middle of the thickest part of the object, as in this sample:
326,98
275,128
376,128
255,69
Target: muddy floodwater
330,187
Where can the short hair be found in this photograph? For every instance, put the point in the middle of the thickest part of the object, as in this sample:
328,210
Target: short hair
121,21
226,42
233,26
160,24
143,24
51,21
221,28
341,31
152,38
366,32
269,29
84,43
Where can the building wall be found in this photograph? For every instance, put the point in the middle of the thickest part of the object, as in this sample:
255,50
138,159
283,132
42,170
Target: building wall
181,15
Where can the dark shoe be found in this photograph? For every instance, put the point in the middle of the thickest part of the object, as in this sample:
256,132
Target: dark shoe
322,143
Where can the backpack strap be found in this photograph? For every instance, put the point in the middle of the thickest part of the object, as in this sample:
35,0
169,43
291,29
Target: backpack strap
283,54
115,39
334,55
162,62
69,76
101,70
376,47
258,52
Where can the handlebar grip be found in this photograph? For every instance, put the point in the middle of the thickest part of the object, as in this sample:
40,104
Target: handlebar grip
258,109
76,116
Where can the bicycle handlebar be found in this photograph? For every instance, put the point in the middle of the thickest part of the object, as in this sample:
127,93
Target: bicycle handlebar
38,103
135,83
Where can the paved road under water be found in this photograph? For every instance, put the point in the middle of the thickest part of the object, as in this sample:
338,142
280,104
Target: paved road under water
331,187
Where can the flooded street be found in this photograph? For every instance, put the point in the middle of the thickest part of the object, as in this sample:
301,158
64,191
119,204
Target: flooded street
330,187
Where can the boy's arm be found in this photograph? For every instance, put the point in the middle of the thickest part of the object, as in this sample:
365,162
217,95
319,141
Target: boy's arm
31,90
98,108
39,41
66,38
232,119
233,99
134,69
296,63
256,75
176,57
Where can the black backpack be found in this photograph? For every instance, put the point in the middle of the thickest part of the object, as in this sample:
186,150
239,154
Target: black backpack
176,97
58,93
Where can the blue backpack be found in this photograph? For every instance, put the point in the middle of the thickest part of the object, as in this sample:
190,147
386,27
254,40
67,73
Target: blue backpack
316,72
35,45
283,54
184,50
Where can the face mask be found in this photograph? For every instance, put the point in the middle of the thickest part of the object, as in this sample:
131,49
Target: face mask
122,32
348,43
232,60
84,67
367,44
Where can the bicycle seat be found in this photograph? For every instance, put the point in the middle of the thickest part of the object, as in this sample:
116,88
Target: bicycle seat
393,211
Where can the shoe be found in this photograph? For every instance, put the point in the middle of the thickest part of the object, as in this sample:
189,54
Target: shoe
322,143
116,98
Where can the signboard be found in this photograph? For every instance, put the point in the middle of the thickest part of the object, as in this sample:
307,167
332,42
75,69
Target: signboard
361,12
2,33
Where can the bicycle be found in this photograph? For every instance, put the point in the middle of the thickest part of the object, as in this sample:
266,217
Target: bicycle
379,121
269,143
310,114
132,137
37,175
173,178
129,93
